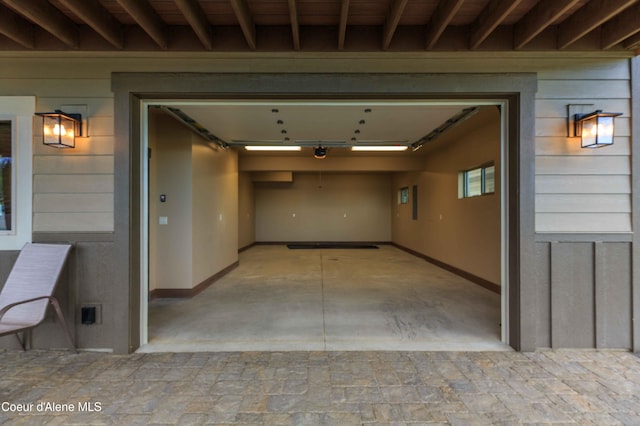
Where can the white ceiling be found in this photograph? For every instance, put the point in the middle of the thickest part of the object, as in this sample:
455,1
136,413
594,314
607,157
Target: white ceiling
332,123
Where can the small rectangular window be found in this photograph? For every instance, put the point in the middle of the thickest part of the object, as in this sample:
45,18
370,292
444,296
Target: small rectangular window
403,196
477,181
6,175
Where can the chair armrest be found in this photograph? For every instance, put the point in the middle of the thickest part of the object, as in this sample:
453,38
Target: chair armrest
22,302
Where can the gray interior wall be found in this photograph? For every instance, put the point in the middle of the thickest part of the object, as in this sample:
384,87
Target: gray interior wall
325,207
463,233
170,175
200,184
214,210
246,210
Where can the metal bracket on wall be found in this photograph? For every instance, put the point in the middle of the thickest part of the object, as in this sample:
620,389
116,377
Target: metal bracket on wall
572,110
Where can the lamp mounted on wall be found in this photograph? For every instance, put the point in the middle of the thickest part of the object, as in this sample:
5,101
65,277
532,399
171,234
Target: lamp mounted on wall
596,128
60,129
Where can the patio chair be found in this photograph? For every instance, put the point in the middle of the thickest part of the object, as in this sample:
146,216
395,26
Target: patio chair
29,290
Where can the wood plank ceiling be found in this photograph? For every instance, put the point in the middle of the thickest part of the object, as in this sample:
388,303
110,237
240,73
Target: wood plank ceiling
320,25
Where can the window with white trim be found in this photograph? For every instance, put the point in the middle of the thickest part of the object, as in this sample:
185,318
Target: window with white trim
16,170
477,181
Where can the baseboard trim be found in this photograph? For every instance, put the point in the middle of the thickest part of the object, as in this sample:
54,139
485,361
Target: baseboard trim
284,243
464,274
247,247
186,293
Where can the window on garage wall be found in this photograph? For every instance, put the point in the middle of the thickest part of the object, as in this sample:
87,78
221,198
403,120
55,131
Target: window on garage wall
477,181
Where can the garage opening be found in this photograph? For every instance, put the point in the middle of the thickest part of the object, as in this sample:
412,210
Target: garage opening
356,250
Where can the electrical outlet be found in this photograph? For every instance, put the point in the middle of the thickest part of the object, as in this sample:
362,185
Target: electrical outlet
91,314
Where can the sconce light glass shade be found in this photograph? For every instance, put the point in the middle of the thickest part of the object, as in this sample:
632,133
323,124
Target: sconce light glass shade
60,129
595,129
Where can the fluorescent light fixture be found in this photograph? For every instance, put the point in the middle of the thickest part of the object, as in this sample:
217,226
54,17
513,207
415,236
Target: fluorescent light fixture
272,148
380,148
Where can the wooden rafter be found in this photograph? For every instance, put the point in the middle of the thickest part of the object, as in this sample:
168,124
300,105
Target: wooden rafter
142,12
344,17
196,18
444,13
633,43
17,29
590,16
621,27
538,19
391,23
295,28
490,17
97,17
43,14
241,10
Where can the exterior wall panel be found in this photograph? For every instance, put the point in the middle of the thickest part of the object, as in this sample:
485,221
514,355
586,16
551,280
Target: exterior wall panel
613,295
543,295
584,295
572,295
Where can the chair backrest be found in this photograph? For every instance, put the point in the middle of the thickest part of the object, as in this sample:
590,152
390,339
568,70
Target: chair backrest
35,274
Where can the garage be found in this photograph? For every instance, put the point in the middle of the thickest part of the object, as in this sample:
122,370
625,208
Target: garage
361,225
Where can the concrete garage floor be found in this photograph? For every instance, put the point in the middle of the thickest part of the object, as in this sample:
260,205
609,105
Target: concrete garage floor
329,299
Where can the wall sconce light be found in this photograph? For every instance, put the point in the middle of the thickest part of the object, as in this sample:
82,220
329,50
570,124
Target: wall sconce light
320,152
595,129
60,129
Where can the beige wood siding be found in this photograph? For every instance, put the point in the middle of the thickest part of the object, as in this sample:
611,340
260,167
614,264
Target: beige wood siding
582,190
73,188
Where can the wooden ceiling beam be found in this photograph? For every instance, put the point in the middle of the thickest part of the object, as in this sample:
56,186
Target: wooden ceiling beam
538,19
443,15
142,12
491,16
295,27
195,16
621,27
587,18
17,29
632,43
391,23
98,18
344,17
43,14
243,14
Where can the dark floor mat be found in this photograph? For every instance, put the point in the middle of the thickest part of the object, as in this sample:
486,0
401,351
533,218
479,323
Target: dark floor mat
330,246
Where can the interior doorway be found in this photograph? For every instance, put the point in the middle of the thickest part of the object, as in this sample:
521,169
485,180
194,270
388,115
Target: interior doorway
400,174
133,92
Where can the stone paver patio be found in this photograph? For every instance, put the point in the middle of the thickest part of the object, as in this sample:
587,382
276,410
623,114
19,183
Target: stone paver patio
320,388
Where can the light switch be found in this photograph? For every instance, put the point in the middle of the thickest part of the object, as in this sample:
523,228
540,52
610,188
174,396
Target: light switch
164,220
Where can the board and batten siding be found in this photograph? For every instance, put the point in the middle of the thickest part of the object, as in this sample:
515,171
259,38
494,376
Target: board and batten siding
584,214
